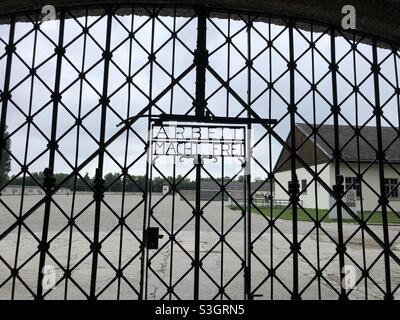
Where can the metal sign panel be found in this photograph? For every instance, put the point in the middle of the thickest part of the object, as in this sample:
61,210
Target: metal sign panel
195,139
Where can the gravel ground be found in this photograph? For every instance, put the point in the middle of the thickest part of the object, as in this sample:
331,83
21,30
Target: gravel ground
221,262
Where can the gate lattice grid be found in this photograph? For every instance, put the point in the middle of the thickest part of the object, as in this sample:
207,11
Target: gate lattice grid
81,77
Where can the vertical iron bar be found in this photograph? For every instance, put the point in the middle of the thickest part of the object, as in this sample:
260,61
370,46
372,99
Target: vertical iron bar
200,60
173,208
222,224
99,187
27,145
56,97
4,107
149,174
228,65
76,162
125,170
293,190
27,136
271,168
198,163
228,62
228,70
148,213
338,187
355,79
317,217
383,197
247,221
6,91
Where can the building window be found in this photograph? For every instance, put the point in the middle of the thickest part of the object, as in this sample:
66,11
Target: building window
392,188
304,186
353,184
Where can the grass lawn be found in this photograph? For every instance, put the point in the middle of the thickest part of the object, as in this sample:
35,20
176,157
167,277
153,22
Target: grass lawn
303,216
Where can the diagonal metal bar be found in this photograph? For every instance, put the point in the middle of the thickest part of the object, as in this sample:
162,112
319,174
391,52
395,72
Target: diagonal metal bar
294,183
338,188
99,183
306,166
43,246
380,155
127,123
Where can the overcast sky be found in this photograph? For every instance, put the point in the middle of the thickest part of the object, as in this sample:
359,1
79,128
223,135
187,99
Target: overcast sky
269,63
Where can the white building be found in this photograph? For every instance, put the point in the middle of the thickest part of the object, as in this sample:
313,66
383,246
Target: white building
29,190
358,158
210,190
165,189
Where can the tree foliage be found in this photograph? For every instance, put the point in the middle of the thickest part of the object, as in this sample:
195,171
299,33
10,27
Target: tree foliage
114,182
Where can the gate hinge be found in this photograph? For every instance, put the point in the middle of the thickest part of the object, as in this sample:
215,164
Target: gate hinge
152,236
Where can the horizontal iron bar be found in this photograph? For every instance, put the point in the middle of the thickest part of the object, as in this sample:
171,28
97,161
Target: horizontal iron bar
219,120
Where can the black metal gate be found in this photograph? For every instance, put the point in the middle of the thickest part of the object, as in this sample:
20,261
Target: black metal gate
96,205
196,211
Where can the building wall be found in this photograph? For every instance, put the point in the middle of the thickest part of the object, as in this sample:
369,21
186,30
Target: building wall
371,176
308,199
16,190
30,190
165,189
369,200
206,195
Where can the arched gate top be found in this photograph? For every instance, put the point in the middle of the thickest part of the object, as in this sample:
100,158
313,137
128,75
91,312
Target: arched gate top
372,18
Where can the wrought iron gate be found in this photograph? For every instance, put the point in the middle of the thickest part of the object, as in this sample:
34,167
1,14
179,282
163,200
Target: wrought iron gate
195,212
81,96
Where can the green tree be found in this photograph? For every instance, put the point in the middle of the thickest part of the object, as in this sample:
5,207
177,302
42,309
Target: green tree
113,182
81,185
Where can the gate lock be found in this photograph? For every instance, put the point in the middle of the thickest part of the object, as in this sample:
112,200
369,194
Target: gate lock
151,237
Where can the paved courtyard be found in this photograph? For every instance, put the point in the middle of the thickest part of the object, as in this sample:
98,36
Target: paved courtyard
171,265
